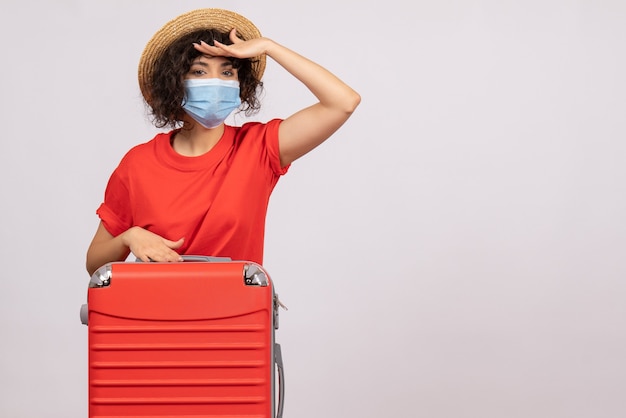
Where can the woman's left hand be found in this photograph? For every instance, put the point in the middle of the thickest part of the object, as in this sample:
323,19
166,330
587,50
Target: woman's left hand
239,48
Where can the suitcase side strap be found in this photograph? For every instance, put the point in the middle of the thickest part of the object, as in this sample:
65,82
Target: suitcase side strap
278,359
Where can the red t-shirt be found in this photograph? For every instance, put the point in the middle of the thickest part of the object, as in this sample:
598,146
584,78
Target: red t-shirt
216,201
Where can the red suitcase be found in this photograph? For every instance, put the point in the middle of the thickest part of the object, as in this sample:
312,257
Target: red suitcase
191,339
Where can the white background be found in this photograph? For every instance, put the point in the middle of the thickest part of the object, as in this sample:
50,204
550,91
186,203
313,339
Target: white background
456,250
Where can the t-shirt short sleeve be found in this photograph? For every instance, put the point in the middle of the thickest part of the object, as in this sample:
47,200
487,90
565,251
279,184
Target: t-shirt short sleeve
272,146
115,212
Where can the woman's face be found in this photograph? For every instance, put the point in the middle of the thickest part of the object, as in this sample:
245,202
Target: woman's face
206,66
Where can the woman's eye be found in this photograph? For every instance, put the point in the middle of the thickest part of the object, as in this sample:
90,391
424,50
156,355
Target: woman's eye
196,71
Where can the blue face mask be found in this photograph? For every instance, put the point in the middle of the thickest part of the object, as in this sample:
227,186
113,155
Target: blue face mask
209,101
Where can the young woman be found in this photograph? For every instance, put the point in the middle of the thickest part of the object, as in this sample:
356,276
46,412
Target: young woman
203,187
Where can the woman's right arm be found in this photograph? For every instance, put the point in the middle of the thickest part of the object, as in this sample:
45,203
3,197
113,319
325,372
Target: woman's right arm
145,245
105,248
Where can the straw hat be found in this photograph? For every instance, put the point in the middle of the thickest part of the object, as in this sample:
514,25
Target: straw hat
220,19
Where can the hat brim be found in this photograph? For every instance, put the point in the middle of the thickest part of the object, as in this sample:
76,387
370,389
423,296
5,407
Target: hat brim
210,18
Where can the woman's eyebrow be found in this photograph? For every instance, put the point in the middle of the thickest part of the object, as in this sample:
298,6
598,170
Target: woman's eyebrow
200,62
227,63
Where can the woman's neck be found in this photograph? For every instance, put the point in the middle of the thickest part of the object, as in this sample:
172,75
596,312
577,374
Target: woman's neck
196,141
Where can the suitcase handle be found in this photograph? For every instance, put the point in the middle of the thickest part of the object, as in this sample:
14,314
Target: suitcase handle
278,359
205,258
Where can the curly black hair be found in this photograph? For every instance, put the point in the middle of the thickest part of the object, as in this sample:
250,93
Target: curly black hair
167,89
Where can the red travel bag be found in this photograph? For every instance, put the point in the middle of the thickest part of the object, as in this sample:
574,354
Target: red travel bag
190,339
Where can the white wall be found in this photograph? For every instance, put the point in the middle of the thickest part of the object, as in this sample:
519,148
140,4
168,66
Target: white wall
455,250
